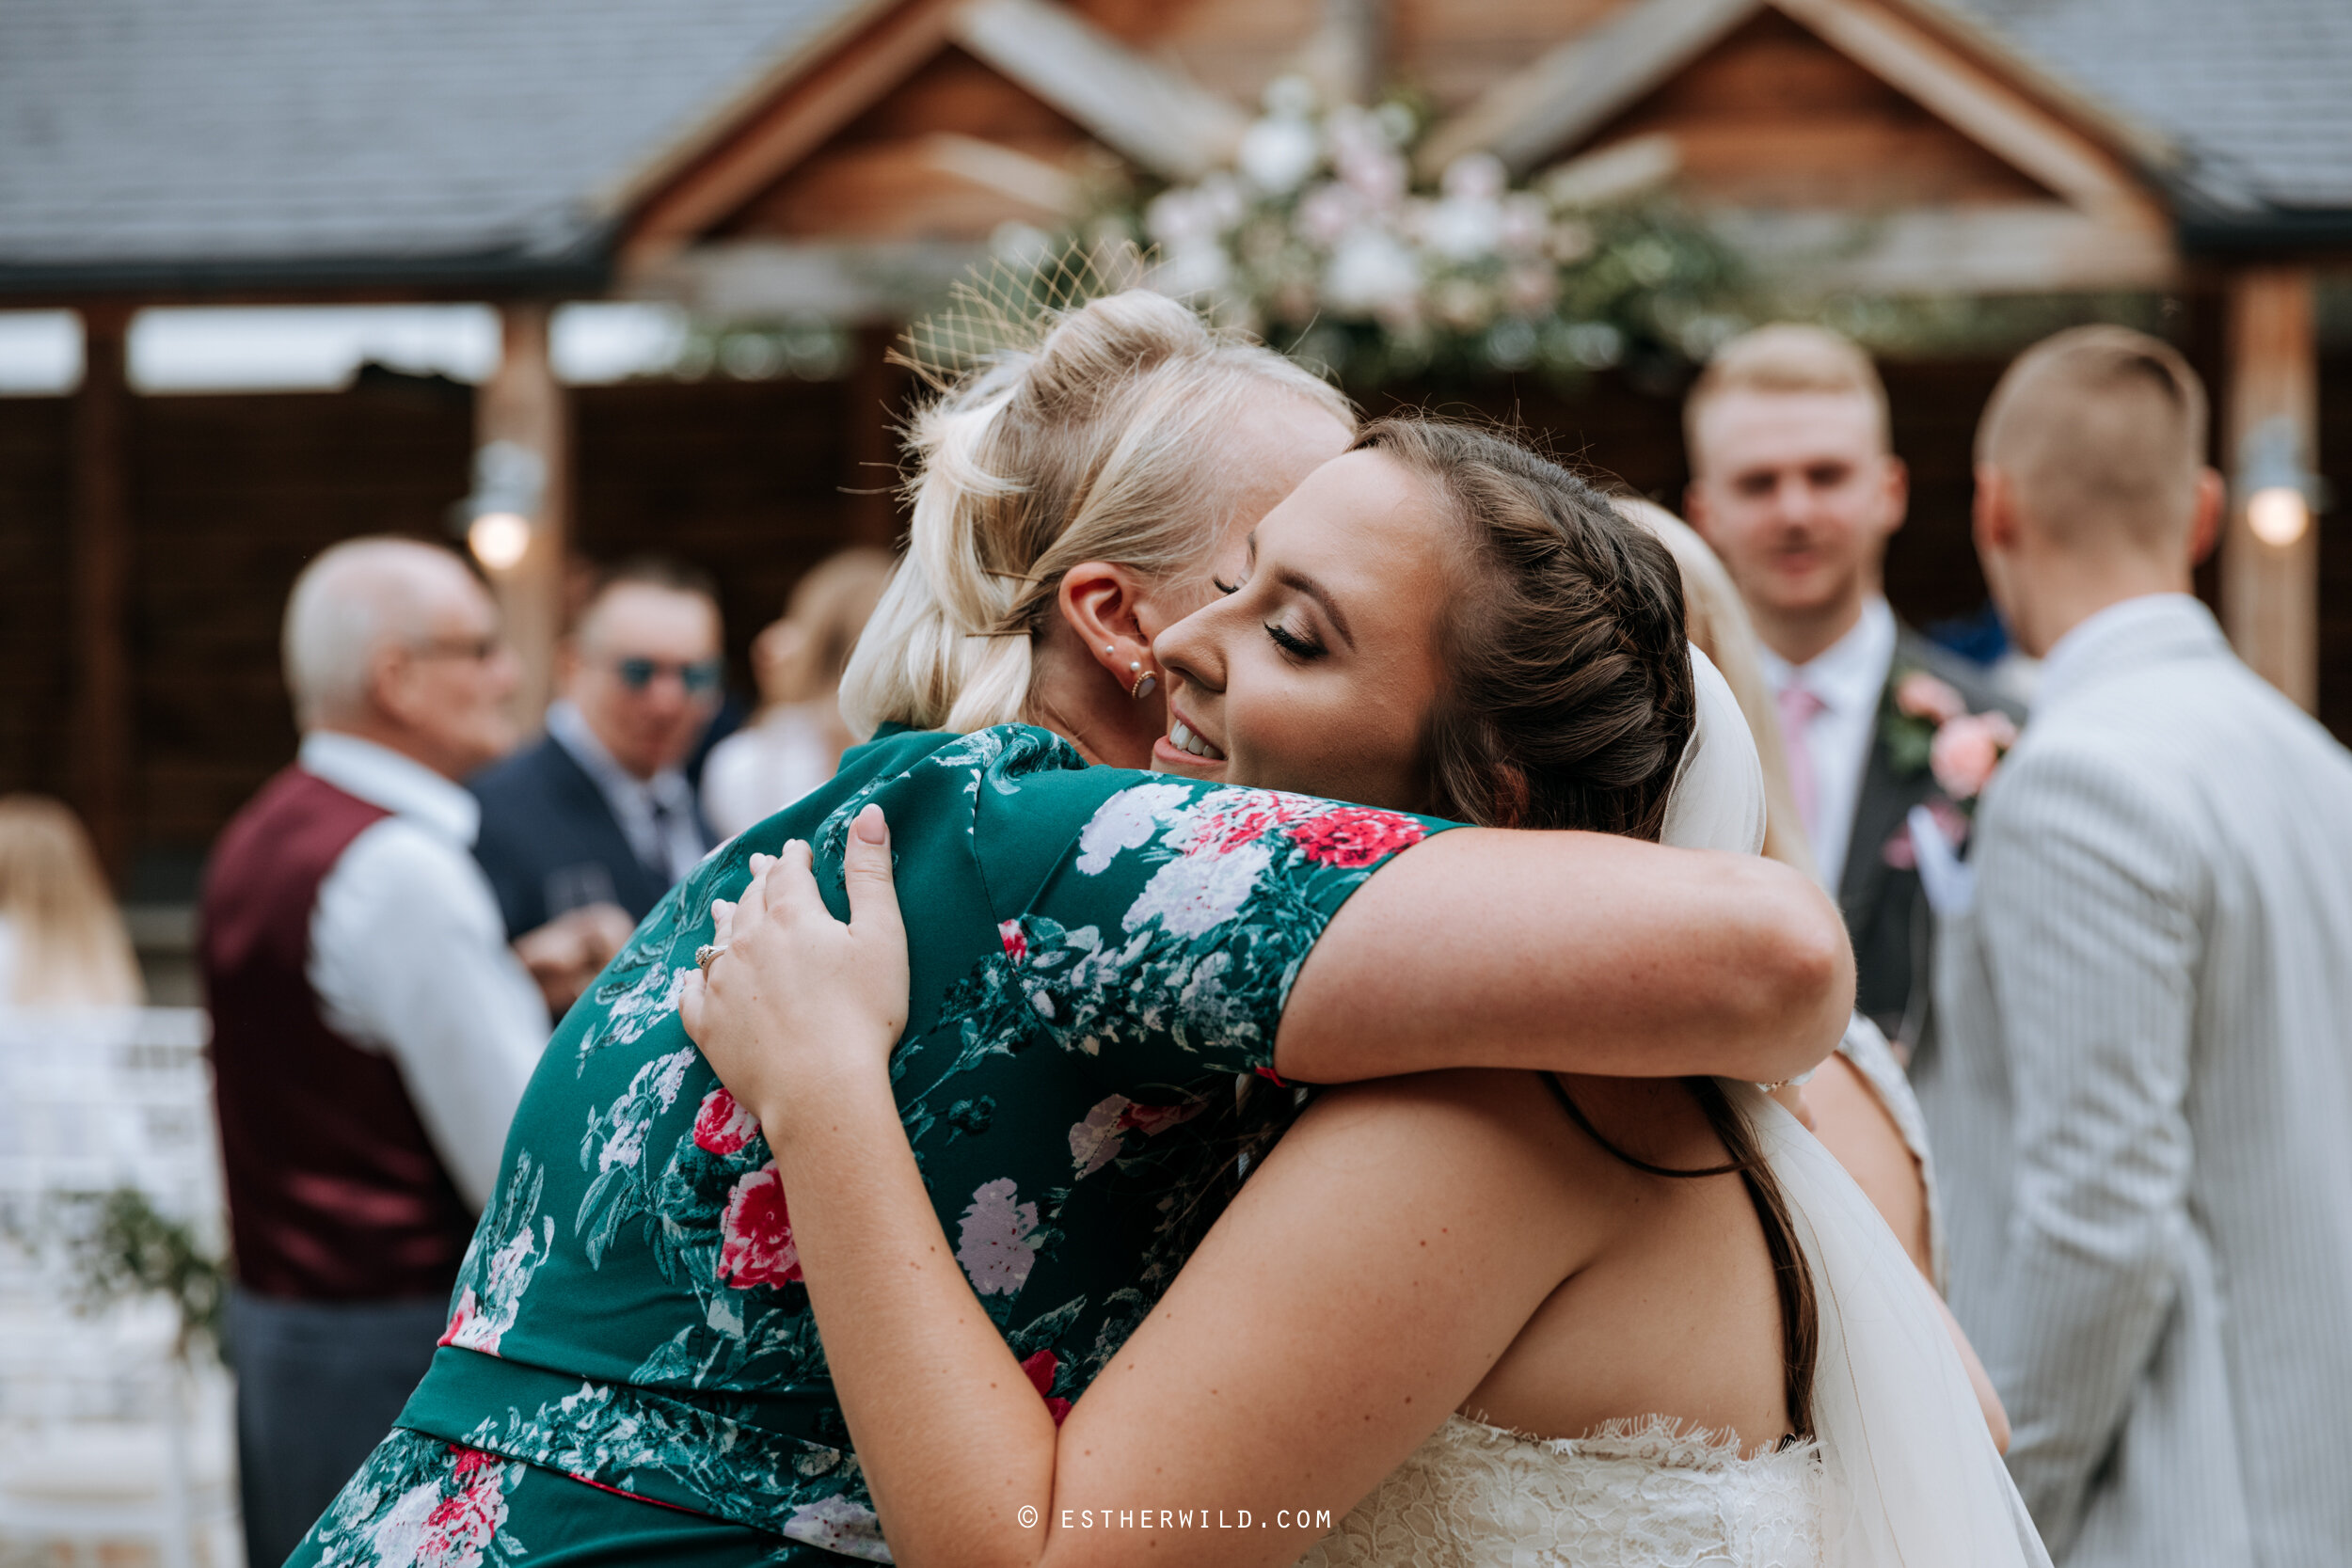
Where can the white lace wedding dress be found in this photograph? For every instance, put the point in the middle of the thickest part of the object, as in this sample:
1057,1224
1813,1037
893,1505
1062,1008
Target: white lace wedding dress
1475,1496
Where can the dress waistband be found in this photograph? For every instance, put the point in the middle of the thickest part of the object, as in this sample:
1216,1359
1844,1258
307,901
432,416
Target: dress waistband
722,1455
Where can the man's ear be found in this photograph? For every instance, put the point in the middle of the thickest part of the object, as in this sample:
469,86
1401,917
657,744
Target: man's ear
2204,527
390,687
1694,508
1896,478
1100,602
1993,513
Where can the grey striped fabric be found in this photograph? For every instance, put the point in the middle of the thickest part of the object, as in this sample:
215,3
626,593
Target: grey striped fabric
2141,1104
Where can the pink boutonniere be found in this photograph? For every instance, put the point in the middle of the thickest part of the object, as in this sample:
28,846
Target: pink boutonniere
1928,728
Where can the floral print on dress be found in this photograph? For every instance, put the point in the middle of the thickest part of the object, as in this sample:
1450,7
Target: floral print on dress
420,1502
755,1234
721,1126
1098,1140
1096,956
996,1242
490,1286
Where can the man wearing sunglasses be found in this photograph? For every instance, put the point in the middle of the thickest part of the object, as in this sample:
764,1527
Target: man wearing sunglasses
600,811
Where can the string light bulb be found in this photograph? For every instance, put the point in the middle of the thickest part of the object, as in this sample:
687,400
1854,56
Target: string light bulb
2278,514
2279,492
498,539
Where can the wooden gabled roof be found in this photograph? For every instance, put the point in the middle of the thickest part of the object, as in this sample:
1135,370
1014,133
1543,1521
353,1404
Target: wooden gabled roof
940,119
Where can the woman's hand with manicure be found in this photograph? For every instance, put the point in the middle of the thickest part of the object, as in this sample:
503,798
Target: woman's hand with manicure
800,1006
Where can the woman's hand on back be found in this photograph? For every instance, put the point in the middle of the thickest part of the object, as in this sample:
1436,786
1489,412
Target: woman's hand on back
797,1001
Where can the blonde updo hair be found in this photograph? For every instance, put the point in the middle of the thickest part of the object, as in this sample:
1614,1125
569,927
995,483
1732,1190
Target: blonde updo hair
1100,443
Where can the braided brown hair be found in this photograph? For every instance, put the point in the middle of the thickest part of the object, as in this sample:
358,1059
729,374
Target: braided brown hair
1568,694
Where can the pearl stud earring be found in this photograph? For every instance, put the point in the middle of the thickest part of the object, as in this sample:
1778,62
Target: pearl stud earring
1145,681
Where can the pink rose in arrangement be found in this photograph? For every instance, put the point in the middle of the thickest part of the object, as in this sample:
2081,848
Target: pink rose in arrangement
463,1523
1967,748
721,1126
1016,945
1040,1368
1355,836
1920,695
756,1245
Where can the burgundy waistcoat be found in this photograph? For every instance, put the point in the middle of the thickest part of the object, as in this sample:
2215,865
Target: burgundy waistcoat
335,1194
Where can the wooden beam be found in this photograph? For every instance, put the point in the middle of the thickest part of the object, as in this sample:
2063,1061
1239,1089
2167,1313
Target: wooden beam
524,404
873,282
103,731
1347,56
1572,91
1993,248
1982,105
1576,90
2270,593
1151,113
1015,175
791,124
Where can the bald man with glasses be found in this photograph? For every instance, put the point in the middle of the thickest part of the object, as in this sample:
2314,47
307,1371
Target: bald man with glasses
600,811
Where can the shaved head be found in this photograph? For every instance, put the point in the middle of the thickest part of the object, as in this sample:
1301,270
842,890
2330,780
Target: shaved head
2100,434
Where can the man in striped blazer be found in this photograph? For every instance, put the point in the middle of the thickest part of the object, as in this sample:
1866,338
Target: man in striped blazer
2141,1092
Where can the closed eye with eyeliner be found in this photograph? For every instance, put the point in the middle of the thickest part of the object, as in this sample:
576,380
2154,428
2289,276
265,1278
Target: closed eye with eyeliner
1314,669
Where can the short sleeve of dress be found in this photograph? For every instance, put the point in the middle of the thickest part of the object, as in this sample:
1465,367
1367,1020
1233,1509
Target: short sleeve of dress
1158,924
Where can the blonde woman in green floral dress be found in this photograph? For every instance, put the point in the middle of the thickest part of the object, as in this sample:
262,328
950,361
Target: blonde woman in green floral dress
631,1371
1487,1318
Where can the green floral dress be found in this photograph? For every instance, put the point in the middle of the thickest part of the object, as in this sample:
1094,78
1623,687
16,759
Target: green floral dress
630,1369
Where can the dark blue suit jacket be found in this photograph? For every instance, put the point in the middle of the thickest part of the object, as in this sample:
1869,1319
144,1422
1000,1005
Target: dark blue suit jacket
549,844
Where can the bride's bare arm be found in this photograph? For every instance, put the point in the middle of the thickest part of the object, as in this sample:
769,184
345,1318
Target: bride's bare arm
1362,1284
1578,952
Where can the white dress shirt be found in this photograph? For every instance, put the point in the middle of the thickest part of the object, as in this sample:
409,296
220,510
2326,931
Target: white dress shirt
1848,676
667,840
408,956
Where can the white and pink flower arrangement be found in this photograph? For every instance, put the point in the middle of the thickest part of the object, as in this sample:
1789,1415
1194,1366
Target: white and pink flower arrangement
1324,237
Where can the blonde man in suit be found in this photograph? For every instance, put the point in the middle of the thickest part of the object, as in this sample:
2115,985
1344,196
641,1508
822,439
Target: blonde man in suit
2140,1092
1796,486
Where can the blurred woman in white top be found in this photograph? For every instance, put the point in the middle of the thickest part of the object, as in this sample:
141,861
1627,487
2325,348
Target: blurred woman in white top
795,742
62,942
1857,1103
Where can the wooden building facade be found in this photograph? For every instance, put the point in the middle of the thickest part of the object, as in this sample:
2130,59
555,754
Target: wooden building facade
857,151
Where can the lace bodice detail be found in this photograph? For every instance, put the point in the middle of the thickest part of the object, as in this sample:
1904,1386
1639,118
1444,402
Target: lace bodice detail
1641,1496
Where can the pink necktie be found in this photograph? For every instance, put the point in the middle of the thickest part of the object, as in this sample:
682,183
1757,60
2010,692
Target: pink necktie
1798,708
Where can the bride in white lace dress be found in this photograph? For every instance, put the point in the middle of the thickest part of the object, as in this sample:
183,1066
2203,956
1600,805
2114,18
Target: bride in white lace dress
1465,1319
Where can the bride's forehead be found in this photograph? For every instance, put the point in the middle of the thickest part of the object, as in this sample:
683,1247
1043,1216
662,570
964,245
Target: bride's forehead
1360,488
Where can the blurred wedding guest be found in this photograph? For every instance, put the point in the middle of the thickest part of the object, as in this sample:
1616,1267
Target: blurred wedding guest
599,812
1857,1102
794,743
371,1030
1794,484
2142,1081
62,943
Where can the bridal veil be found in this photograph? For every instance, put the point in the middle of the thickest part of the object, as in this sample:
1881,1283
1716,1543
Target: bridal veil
1912,1478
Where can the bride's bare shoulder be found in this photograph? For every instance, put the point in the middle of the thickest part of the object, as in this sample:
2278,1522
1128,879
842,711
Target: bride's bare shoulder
1475,1134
